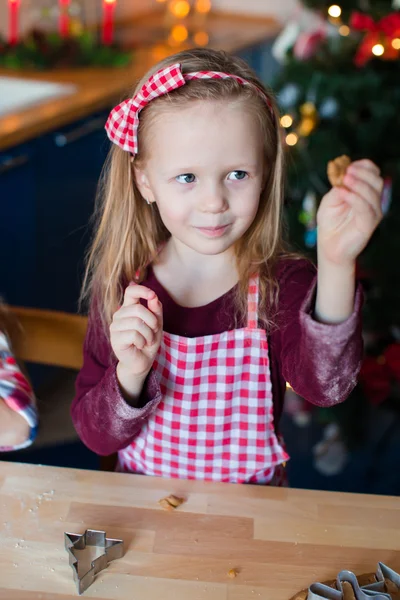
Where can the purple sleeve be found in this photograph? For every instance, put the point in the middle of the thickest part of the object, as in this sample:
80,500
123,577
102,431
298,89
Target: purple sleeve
321,362
104,421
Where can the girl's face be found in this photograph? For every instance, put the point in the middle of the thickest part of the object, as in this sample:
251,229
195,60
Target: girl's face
205,171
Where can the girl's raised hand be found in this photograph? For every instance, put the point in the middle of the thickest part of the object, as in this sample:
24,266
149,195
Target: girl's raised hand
348,216
136,331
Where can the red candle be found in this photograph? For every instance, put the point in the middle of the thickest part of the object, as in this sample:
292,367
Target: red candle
108,21
63,22
13,9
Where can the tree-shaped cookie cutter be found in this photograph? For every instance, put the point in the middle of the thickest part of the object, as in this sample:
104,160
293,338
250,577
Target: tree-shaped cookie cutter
92,537
375,591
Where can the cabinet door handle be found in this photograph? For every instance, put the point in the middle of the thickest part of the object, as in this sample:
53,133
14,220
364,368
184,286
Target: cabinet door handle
63,139
12,162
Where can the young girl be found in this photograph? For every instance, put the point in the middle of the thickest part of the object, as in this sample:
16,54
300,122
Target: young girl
198,315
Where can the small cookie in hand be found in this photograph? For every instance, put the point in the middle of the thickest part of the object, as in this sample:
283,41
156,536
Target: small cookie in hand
171,502
337,169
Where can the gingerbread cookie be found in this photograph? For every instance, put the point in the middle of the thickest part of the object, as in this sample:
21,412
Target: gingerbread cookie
337,169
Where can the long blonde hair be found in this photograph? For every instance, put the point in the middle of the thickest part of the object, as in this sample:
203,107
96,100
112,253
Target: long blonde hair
128,232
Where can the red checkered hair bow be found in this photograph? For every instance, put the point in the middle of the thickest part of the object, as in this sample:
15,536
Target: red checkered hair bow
122,124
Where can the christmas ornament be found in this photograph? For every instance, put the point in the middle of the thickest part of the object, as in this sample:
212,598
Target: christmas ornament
386,198
331,453
308,217
289,95
379,373
285,41
329,108
309,119
378,34
308,44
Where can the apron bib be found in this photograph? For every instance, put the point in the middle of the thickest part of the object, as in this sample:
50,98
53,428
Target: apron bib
215,419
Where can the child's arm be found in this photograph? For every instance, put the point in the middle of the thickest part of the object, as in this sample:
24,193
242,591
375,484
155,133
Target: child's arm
320,361
346,218
103,418
14,429
18,414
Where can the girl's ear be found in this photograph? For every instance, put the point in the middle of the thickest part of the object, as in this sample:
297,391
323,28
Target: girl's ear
142,183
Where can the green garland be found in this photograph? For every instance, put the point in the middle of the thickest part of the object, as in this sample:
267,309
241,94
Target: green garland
41,50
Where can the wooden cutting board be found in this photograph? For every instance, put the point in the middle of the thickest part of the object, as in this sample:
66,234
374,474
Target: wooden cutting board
279,540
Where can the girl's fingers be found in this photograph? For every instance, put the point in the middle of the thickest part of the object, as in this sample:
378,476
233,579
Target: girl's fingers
134,293
156,307
127,339
365,175
364,164
365,190
134,324
361,207
126,313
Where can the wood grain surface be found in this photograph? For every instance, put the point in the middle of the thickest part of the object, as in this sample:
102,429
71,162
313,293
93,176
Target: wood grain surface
98,89
278,540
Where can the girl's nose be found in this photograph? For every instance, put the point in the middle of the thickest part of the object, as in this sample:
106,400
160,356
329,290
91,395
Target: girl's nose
213,200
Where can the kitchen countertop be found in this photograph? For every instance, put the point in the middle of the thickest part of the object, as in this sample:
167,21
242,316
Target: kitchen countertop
98,89
279,540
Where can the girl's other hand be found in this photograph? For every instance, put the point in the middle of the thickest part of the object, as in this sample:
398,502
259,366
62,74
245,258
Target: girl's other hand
348,216
136,332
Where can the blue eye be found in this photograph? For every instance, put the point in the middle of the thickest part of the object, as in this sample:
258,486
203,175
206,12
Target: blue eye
186,178
239,175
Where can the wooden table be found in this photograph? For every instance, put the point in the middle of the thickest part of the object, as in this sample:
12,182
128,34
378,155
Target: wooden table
280,540
98,89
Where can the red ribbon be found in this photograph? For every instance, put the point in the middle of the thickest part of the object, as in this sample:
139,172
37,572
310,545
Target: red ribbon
389,25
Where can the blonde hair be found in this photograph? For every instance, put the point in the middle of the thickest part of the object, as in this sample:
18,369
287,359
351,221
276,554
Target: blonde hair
128,232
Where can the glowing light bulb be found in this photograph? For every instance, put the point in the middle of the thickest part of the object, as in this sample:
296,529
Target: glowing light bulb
396,43
378,50
292,139
180,8
203,6
201,38
344,30
286,121
334,11
179,33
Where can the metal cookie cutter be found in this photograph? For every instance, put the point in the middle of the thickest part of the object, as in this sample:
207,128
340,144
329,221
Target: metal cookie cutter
92,537
386,579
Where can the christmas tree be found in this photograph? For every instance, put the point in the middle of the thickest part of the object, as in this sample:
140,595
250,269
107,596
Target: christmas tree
339,93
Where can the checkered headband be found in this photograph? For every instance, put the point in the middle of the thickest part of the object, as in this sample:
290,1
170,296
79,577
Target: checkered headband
123,122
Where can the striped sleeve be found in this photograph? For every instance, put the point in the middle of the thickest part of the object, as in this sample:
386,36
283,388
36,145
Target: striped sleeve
16,392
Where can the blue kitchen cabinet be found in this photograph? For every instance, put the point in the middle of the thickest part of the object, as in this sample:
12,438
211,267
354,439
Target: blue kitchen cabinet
47,192
17,224
70,164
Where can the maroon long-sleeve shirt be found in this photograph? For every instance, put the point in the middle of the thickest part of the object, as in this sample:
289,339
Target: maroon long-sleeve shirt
319,361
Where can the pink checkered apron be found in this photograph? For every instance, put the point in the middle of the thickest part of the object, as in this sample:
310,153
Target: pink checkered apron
215,419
